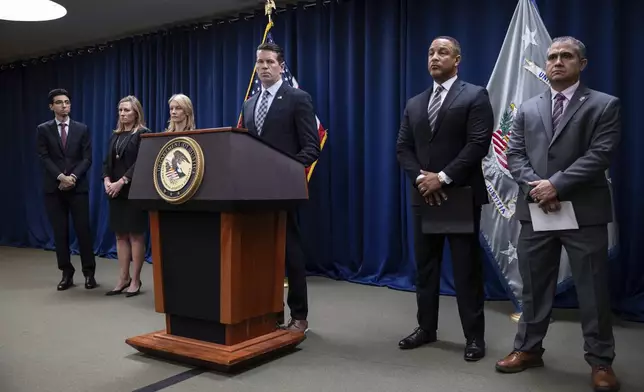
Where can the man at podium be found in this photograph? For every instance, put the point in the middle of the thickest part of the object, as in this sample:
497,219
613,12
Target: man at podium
283,116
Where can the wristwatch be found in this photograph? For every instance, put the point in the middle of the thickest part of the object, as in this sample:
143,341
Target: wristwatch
125,180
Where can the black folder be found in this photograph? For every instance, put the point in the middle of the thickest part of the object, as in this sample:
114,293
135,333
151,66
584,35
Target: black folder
453,216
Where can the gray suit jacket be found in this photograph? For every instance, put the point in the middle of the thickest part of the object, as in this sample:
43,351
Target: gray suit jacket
573,157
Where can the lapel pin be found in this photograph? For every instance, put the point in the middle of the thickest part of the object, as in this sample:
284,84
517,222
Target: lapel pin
279,97
582,99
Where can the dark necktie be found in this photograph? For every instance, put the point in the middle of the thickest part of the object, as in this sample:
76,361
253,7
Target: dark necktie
262,112
63,134
432,111
557,111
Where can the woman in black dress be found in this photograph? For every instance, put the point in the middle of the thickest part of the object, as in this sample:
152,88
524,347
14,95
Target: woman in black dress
126,221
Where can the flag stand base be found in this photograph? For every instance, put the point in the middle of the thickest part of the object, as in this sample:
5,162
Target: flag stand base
516,316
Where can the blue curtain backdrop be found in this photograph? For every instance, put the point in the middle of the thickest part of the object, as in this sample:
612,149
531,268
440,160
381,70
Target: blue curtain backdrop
360,60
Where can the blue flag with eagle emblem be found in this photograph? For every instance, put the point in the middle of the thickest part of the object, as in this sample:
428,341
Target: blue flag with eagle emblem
517,76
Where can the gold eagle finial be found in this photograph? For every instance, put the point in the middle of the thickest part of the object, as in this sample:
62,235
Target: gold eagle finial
268,9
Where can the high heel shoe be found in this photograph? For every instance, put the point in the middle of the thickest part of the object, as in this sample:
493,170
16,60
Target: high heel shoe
119,291
129,294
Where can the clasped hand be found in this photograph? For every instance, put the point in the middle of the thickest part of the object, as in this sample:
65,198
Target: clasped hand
545,194
112,188
66,182
429,187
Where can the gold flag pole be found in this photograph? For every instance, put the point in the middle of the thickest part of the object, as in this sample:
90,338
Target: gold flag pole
268,11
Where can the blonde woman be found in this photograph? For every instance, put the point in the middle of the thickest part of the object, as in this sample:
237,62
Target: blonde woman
126,221
182,116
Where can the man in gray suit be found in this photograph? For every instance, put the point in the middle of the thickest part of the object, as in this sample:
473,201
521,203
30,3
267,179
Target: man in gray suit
561,145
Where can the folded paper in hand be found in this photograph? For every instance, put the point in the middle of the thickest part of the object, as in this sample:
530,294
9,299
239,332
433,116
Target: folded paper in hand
453,216
564,219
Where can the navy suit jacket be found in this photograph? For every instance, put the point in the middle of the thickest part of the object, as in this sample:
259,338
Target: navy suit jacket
463,134
74,159
290,124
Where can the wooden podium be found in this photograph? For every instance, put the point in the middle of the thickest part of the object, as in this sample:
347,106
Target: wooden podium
218,257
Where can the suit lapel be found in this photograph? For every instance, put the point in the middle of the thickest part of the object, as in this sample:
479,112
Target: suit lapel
54,132
423,110
71,133
579,98
453,92
279,102
249,114
545,110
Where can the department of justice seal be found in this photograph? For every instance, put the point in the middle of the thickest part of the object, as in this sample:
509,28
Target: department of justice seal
178,170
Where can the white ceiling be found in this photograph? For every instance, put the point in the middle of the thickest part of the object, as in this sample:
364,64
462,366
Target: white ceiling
90,22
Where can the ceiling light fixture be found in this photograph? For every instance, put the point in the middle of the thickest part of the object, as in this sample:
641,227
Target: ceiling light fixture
31,10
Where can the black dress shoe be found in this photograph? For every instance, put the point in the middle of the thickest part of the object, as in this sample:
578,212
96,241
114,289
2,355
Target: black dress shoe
129,294
417,338
119,291
90,282
66,282
474,350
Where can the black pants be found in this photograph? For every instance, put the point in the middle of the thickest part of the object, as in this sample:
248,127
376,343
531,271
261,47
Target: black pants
295,265
59,206
468,277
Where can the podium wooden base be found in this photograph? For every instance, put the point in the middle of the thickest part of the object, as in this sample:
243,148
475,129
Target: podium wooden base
216,356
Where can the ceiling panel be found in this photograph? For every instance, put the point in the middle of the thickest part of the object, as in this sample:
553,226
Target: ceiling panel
94,21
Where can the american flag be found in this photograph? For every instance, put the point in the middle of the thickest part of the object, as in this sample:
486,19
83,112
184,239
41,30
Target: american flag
287,77
500,144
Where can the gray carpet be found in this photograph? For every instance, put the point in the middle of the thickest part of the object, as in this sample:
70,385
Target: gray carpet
75,341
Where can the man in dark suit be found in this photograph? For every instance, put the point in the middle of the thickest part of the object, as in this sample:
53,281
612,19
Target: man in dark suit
283,116
444,135
561,146
65,149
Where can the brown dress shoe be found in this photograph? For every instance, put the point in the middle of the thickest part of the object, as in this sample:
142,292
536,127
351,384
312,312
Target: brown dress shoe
518,361
297,325
604,379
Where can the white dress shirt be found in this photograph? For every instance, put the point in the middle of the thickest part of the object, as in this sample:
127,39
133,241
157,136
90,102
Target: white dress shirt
568,93
273,91
446,86
66,122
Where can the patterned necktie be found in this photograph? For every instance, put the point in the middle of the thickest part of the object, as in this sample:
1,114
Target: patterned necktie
557,111
432,111
262,111
63,134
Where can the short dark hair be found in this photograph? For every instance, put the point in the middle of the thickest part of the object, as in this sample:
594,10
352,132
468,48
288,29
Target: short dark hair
273,48
56,92
581,48
454,41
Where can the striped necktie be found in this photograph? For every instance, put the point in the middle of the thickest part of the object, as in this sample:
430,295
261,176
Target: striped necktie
557,111
262,111
432,111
